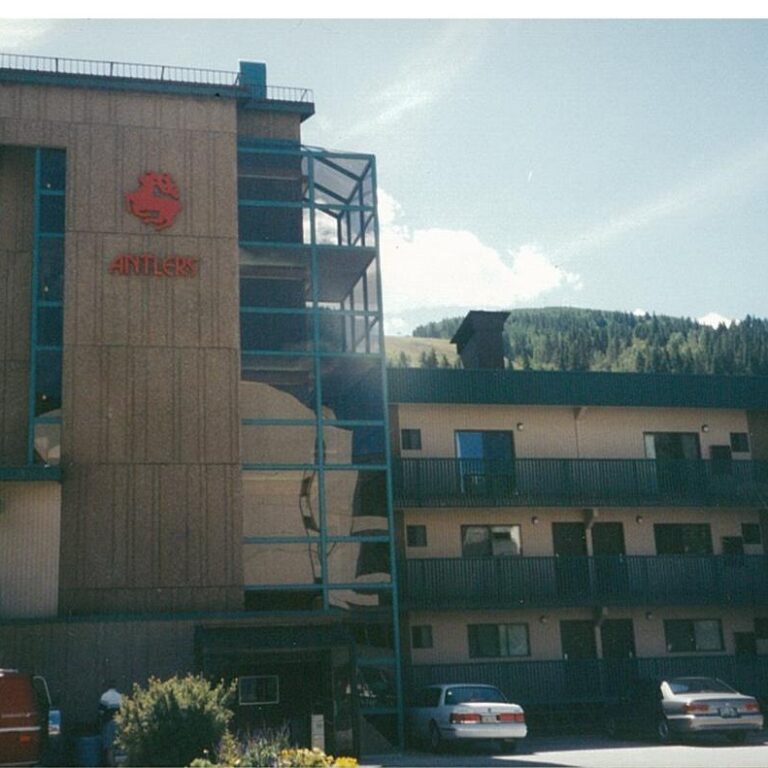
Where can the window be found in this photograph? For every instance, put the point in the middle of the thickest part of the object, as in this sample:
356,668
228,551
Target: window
416,535
259,689
761,634
410,439
739,442
691,635
683,538
421,636
498,640
486,462
672,445
490,540
750,532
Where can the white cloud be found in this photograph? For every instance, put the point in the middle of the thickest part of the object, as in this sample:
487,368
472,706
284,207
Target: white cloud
427,76
453,270
715,319
20,33
721,180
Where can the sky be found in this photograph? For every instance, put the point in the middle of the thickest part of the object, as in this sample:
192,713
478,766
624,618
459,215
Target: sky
609,164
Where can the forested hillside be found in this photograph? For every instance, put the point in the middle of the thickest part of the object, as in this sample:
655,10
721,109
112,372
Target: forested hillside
588,339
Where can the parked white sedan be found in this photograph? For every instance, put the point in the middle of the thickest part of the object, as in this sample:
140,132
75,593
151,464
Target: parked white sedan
458,711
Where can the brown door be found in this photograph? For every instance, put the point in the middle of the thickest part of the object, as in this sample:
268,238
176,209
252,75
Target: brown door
609,565
569,543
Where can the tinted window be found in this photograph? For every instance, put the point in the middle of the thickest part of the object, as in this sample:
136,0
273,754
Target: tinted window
460,694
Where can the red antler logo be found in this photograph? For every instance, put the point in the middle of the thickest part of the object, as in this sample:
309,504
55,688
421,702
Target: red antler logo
156,201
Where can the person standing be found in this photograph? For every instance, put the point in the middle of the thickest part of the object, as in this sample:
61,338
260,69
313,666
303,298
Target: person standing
109,704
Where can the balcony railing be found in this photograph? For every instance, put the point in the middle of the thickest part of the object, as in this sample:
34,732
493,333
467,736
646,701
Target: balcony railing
578,482
537,683
605,580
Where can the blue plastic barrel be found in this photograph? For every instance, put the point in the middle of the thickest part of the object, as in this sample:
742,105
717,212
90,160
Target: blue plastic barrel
88,751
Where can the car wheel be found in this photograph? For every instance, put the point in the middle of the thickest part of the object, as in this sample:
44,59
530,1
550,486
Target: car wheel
663,733
435,739
507,745
737,738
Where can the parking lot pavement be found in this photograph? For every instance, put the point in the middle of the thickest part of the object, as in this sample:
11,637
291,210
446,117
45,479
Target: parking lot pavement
589,752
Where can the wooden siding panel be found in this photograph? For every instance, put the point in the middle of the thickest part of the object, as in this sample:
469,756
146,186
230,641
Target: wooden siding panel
29,549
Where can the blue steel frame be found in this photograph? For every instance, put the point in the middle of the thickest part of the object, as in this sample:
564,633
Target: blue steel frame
373,320
41,192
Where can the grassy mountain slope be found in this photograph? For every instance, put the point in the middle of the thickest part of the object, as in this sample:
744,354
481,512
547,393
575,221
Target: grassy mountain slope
562,338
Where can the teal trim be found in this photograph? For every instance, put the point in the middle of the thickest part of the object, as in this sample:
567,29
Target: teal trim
31,401
309,423
506,387
355,222
277,467
348,539
327,586
103,618
31,473
390,491
263,146
278,422
312,354
282,587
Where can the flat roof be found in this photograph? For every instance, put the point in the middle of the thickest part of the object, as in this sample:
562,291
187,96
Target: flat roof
575,388
252,91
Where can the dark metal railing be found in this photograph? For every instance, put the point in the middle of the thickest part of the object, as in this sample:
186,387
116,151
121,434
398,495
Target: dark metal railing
48,65
539,683
605,580
582,482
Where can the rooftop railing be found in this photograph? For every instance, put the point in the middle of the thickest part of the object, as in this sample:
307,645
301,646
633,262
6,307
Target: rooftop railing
603,580
444,482
560,682
158,73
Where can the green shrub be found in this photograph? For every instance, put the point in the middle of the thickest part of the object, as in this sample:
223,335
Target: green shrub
172,722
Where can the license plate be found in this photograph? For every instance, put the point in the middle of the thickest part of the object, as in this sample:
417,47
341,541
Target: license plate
489,718
728,712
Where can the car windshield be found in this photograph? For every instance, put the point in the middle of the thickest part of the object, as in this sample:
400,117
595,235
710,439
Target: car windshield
463,693
699,685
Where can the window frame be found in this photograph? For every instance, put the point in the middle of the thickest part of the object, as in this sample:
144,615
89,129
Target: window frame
668,626
409,529
423,638
740,442
473,642
410,439
489,528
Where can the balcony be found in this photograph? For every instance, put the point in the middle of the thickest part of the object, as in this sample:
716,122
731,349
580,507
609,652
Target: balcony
578,482
541,683
606,580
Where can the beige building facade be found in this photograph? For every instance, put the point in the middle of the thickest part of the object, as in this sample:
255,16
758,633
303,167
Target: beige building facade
561,534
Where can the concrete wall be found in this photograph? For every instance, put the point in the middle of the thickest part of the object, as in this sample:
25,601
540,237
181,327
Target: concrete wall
16,241
564,432
151,510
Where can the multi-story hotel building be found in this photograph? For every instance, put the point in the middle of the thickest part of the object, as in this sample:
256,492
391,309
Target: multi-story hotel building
196,468
193,433
566,533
